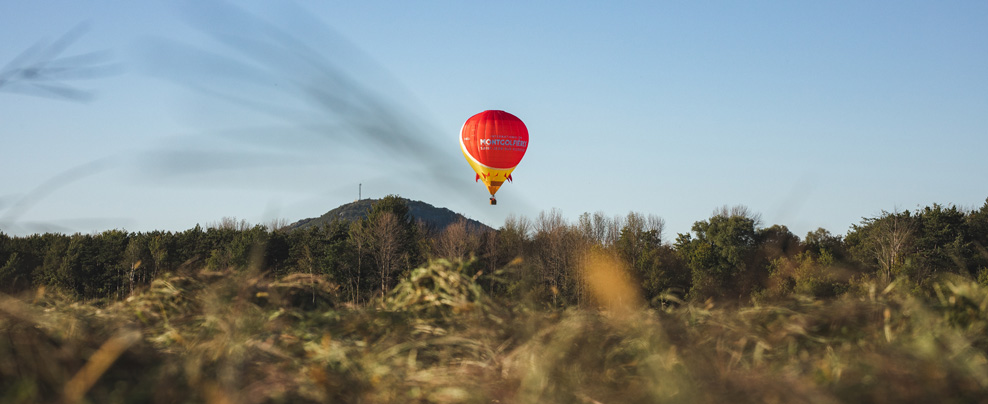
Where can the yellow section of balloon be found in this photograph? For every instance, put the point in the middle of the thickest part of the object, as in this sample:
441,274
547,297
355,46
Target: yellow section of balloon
493,178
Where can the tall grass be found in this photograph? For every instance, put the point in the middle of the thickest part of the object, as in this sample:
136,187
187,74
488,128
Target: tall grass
246,337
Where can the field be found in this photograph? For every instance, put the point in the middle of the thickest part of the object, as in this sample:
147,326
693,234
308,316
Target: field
143,120
248,337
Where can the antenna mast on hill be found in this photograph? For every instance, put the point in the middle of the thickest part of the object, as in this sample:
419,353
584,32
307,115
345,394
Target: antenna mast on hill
359,190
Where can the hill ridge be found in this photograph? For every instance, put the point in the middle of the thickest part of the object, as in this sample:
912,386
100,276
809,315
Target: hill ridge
436,218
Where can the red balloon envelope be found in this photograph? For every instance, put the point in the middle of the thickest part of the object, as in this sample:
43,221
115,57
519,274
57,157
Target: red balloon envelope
494,142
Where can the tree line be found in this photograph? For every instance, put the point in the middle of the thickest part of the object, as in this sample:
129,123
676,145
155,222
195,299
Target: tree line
729,257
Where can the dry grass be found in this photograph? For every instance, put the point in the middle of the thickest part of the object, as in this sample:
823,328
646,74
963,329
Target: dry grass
242,337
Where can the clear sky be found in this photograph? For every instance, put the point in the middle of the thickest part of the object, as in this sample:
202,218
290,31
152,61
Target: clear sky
812,114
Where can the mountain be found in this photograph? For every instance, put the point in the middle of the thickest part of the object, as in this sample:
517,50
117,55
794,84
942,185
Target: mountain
435,218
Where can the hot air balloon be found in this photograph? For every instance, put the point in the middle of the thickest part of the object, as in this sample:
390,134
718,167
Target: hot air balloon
493,143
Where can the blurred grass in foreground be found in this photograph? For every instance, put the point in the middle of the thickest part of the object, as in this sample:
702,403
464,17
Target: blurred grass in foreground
244,337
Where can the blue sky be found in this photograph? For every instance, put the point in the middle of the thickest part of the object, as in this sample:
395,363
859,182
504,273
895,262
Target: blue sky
812,115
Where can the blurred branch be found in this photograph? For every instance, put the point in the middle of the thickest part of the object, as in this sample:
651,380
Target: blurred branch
276,69
41,70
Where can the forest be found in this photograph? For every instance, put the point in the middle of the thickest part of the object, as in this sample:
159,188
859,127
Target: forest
729,257
606,309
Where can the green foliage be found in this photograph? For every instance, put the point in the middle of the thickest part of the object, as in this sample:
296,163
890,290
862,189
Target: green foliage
727,257
983,277
719,255
657,266
12,273
821,242
667,276
942,241
935,240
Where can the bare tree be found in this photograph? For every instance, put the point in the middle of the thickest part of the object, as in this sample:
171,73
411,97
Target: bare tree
612,228
360,238
557,247
230,223
456,241
549,222
740,211
585,224
892,235
277,224
491,244
597,228
641,233
514,236
655,224
386,234
159,252
132,261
